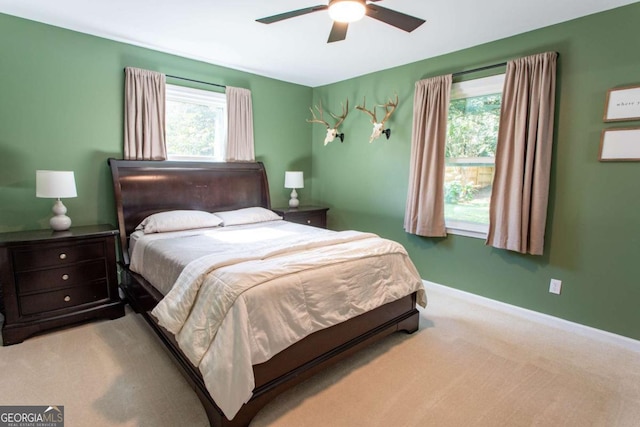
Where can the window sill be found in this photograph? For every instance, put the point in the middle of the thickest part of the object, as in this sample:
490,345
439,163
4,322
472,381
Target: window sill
468,230
195,159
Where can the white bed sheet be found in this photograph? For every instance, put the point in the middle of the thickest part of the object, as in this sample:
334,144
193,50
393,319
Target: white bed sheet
245,293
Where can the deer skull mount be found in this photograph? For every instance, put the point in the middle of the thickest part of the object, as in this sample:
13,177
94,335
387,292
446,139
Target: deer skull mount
378,127
332,132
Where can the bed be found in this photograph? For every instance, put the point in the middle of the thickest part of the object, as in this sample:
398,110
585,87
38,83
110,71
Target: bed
145,188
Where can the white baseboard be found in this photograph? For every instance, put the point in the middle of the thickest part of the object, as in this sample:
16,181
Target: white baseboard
545,319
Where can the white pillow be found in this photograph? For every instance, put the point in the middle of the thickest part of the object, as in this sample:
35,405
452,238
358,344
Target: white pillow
178,220
247,216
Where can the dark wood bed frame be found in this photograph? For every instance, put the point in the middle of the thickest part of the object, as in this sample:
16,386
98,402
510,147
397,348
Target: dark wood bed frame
142,188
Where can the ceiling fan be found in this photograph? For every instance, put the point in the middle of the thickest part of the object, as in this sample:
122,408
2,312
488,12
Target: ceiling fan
345,11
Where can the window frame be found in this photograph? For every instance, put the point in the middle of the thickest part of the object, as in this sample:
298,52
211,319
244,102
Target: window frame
201,97
469,89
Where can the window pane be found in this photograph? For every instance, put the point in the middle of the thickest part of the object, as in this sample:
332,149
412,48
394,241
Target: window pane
192,129
472,133
467,192
472,127
196,123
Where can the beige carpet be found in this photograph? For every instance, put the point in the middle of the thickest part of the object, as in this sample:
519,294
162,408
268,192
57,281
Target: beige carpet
467,366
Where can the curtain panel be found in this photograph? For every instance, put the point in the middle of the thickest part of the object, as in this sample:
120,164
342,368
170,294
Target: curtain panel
240,144
144,121
424,213
518,209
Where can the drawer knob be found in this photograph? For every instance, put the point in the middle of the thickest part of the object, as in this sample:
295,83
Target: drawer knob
65,277
67,298
63,256
308,221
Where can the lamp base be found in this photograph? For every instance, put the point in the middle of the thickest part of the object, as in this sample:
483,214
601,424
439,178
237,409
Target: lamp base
59,222
293,201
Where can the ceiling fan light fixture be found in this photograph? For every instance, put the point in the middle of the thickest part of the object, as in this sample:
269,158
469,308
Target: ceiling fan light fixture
347,10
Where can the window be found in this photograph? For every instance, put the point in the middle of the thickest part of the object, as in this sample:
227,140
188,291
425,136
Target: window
196,122
472,134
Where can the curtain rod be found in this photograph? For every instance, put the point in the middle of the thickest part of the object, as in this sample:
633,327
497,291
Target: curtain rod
475,70
196,81
488,67
191,80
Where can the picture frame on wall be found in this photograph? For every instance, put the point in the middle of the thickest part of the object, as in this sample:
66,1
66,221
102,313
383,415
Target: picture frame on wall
622,104
620,145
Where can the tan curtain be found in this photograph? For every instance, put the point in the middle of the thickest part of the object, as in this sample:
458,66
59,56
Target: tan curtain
518,210
424,214
144,115
240,126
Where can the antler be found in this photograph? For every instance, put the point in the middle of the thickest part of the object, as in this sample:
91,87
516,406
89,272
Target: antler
386,108
371,113
340,119
318,120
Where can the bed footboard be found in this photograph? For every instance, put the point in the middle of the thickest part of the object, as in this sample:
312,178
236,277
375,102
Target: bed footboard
289,367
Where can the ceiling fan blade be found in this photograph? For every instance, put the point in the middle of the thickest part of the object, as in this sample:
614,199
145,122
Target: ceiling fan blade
338,32
292,14
400,20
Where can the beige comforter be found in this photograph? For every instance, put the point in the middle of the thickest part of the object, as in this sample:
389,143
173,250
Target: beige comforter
232,310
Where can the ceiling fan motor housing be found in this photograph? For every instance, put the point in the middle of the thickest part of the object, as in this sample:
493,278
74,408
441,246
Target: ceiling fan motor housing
347,10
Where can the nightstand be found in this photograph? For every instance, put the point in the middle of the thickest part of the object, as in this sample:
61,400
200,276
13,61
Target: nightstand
308,215
51,279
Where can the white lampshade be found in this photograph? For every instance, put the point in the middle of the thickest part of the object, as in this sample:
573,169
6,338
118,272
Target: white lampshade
293,179
55,184
347,10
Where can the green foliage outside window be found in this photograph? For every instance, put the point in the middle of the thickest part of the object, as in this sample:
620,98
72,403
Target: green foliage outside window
472,134
191,129
472,126
457,191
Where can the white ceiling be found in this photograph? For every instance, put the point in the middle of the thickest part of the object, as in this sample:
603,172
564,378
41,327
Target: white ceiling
295,50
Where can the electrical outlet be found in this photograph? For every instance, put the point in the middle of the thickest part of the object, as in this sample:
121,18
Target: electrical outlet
555,286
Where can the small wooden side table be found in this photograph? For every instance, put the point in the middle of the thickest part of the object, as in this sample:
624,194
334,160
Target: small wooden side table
50,279
309,215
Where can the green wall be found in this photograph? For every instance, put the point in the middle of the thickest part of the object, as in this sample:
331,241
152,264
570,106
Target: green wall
61,107
593,231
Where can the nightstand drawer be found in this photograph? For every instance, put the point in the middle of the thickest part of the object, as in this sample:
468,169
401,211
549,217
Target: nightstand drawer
67,276
47,301
56,255
316,220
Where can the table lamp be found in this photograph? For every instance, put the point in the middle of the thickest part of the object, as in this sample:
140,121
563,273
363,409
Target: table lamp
293,180
56,185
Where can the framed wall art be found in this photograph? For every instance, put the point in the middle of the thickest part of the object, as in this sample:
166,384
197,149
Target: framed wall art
622,104
620,145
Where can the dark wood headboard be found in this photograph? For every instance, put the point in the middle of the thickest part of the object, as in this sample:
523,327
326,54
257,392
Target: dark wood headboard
142,188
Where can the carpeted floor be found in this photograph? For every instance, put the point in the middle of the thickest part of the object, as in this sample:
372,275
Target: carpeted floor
468,365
